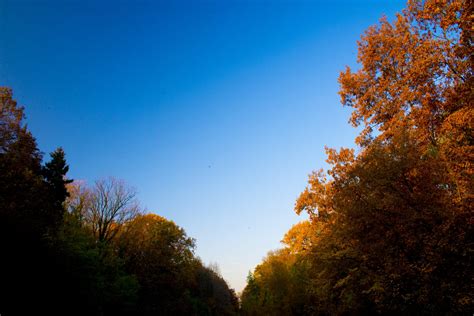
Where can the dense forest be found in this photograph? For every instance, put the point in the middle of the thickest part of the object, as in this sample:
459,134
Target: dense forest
390,221
72,249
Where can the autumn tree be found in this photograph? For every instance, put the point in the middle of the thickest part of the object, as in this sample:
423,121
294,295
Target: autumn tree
303,236
172,280
30,194
417,74
31,210
22,190
391,220
70,249
398,212
279,285
160,254
154,238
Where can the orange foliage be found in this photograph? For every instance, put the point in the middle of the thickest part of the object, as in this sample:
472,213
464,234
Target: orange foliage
397,215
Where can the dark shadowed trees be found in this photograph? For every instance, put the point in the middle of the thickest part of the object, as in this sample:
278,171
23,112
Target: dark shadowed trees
172,280
161,256
69,249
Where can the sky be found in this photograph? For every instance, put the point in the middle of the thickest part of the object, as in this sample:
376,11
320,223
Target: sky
215,111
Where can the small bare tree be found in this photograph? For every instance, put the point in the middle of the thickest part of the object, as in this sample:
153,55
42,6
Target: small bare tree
112,203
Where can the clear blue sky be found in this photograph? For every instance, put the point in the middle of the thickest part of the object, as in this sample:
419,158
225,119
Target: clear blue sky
216,111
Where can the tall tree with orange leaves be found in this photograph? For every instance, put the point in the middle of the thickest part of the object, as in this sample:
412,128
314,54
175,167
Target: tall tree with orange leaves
399,213
391,222
417,75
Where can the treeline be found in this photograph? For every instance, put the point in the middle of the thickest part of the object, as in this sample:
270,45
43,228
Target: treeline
70,249
390,225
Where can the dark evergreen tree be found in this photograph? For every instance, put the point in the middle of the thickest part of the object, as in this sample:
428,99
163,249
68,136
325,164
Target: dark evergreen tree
54,173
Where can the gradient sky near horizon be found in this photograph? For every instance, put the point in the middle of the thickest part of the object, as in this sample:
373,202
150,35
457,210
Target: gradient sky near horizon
215,111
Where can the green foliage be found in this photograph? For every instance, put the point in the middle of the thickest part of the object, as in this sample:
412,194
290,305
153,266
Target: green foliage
211,294
279,285
160,255
73,250
172,280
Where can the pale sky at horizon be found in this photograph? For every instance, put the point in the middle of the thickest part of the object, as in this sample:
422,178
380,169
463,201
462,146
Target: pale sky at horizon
215,111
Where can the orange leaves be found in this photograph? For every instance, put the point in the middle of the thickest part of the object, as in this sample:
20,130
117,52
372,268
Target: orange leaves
316,198
457,150
389,228
340,161
410,71
397,213
152,244
303,236
11,117
444,13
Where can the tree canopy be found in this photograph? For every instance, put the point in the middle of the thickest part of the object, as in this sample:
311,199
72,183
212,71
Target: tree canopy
74,249
390,226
